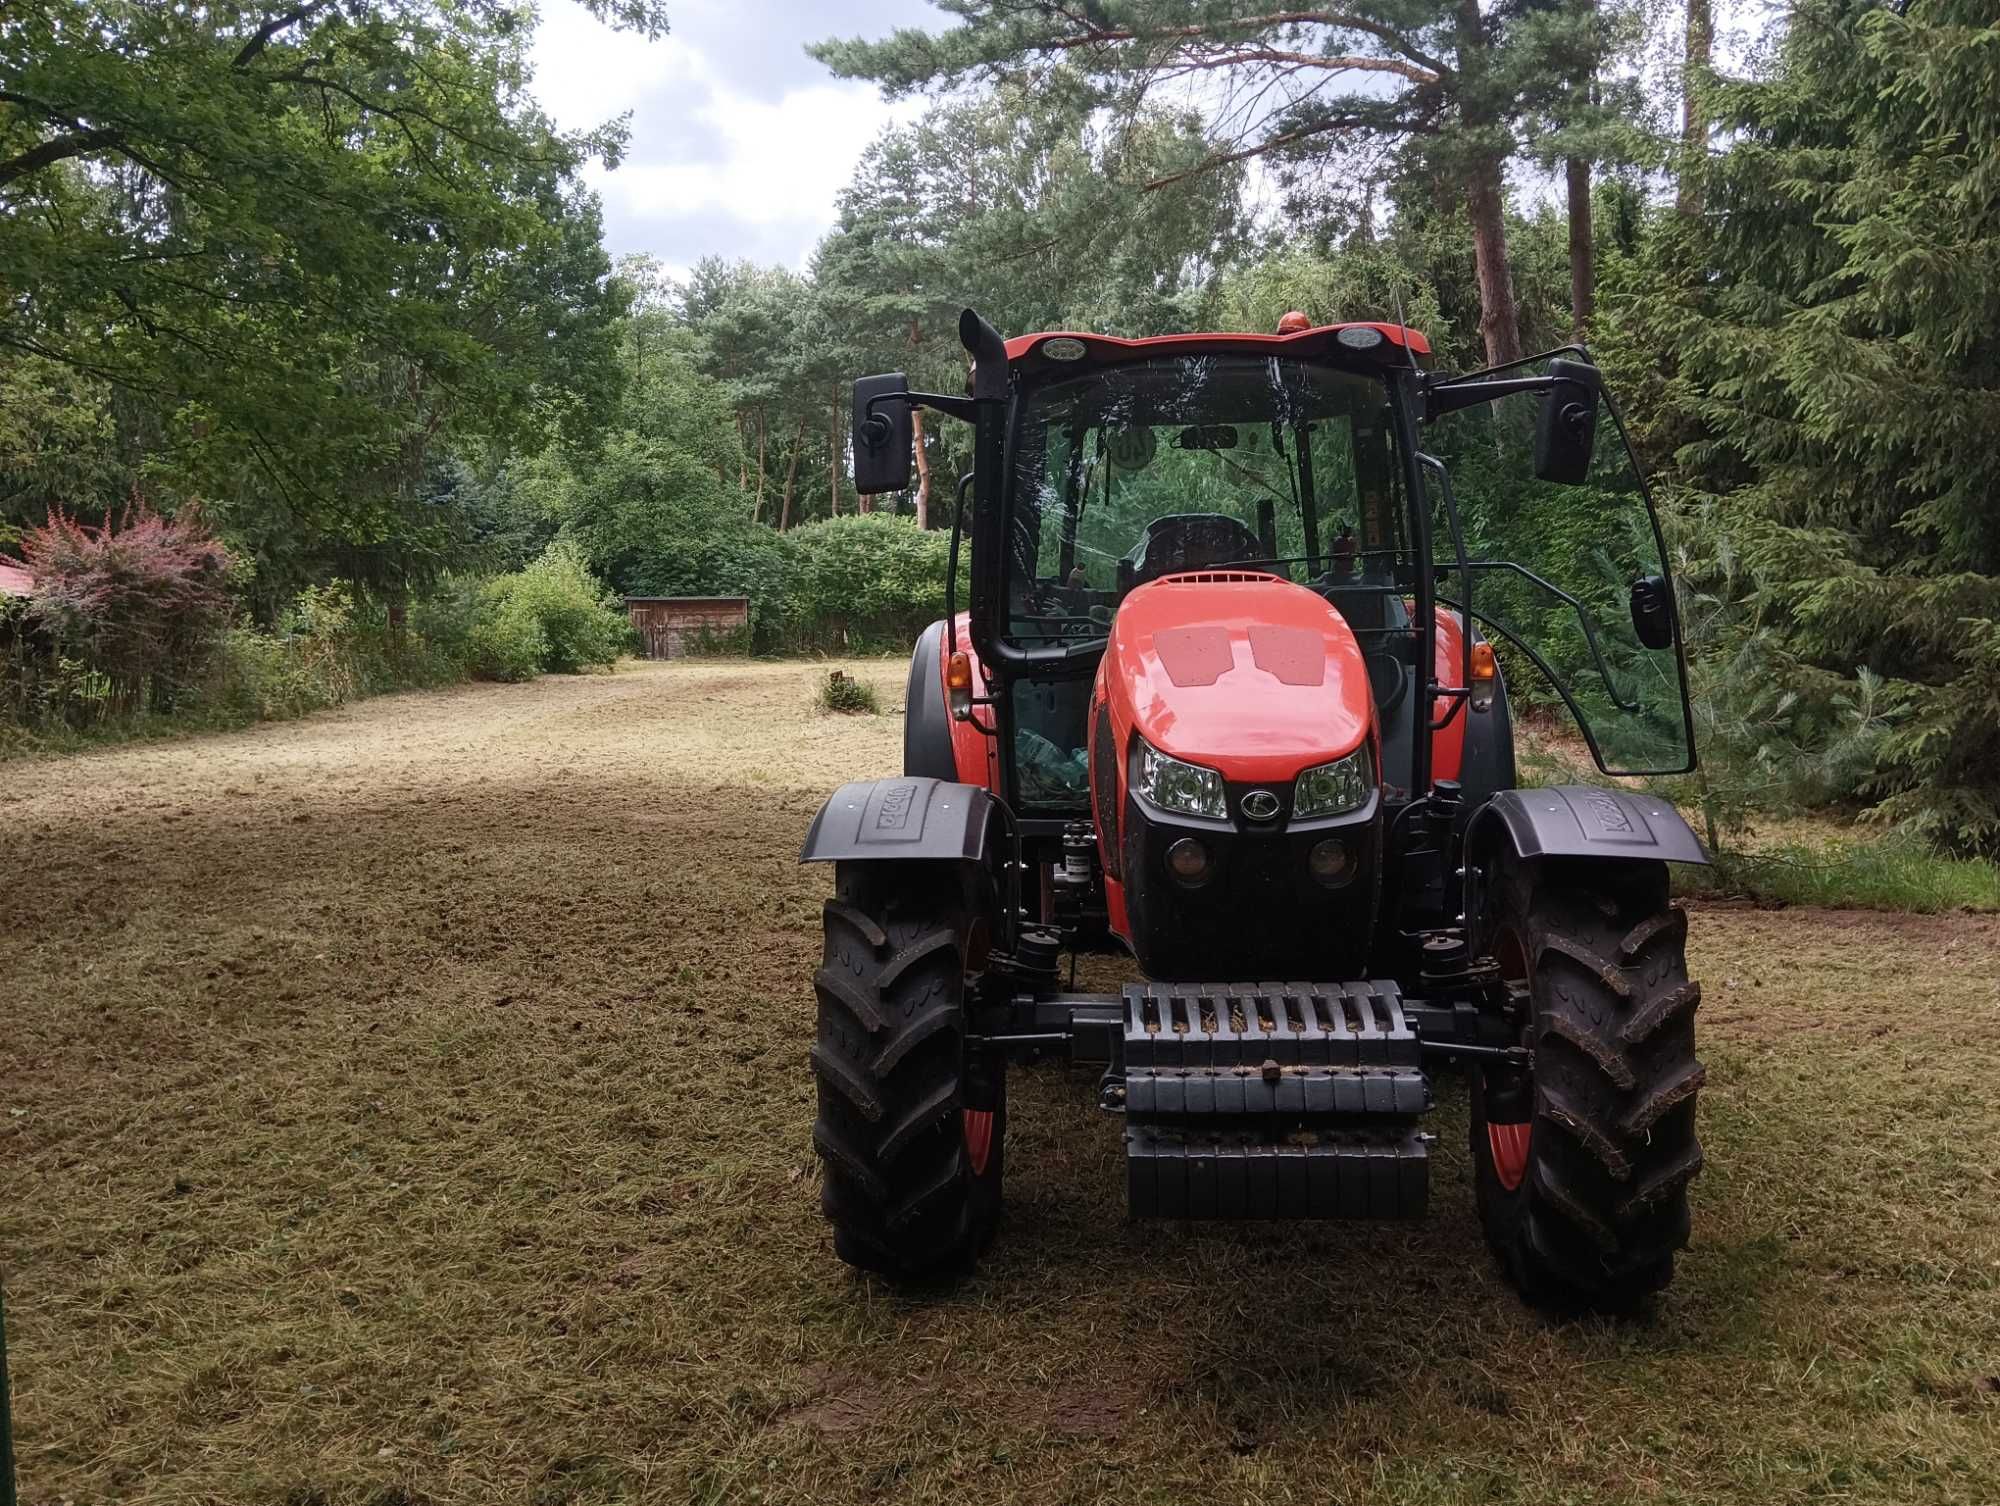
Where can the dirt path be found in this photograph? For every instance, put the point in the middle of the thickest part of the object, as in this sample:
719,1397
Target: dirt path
407,1105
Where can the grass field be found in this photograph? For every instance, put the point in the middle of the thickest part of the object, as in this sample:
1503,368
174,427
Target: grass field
409,1105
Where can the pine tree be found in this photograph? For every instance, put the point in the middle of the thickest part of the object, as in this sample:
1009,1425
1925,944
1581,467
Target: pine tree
1444,85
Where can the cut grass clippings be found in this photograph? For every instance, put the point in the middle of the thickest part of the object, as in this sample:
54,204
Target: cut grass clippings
410,1104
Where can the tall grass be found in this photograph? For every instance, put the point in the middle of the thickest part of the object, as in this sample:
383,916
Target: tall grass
1892,871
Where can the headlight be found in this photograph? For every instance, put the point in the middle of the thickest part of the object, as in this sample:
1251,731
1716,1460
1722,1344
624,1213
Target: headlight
1334,788
1176,786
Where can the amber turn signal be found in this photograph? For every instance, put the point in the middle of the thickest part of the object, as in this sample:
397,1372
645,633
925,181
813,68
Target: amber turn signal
958,685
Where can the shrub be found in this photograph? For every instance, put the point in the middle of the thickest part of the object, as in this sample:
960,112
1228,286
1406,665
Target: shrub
507,641
552,616
866,582
141,602
843,693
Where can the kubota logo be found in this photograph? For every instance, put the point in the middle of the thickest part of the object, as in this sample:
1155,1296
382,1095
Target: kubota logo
1612,818
1261,805
894,812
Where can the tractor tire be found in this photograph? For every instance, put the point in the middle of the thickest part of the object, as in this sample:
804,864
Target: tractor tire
1582,1166
911,1128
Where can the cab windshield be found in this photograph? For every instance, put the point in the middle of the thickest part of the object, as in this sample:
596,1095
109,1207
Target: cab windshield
1205,463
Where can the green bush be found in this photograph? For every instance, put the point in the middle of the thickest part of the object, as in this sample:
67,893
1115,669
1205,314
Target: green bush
551,617
327,649
866,583
445,619
507,641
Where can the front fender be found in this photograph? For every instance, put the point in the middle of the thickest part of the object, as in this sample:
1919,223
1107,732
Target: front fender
927,741
916,818
1586,821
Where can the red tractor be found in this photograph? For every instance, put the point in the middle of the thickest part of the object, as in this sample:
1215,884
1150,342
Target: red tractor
1227,698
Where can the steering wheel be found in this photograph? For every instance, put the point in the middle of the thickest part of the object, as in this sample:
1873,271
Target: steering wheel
1220,539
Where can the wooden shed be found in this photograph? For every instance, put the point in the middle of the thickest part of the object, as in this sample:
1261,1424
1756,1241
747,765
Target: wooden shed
670,626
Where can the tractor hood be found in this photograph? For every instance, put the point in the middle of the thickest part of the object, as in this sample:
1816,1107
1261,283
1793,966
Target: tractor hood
1240,672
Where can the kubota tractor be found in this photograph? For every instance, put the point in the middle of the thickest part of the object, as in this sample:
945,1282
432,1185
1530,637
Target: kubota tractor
1229,695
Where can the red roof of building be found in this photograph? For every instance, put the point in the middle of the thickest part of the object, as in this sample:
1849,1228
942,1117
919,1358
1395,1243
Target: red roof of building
15,579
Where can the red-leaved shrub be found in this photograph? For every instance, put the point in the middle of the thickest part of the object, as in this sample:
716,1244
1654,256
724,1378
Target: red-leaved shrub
140,601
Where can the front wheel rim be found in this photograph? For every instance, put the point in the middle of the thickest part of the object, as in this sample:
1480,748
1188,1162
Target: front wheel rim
979,1139
1507,1143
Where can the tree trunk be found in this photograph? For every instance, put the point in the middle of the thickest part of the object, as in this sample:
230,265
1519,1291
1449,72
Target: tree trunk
1582,253
923,469
1694,113
1582,244
833,453
1486,194
923,498
757,510
792,475
1499,324
742,458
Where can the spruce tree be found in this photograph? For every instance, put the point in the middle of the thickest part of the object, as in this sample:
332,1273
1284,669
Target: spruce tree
1830,342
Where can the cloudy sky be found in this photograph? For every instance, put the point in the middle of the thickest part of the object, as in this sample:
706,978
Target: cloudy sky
739,140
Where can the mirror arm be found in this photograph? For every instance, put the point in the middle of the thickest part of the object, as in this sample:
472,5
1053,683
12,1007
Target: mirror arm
1449,397
966,408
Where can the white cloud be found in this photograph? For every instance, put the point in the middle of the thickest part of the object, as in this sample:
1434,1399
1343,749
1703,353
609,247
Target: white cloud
585,72
709,168
781,163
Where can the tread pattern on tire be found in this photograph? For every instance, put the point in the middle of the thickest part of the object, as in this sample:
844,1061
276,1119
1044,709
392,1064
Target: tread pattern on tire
898,1185
1603,1207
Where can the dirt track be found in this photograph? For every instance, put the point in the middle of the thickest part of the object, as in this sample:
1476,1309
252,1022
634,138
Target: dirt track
408,1105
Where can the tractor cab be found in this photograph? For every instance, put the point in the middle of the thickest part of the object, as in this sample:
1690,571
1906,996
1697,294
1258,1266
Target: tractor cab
1230,695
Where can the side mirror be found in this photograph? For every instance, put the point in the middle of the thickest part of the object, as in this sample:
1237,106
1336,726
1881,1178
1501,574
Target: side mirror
884,434
1566,426
1653,611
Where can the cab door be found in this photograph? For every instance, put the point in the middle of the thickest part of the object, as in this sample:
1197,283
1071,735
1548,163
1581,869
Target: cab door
1570,577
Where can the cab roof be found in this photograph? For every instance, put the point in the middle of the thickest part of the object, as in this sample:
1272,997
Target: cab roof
1398,340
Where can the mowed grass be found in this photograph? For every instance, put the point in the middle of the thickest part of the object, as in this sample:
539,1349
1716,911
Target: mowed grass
410,1105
